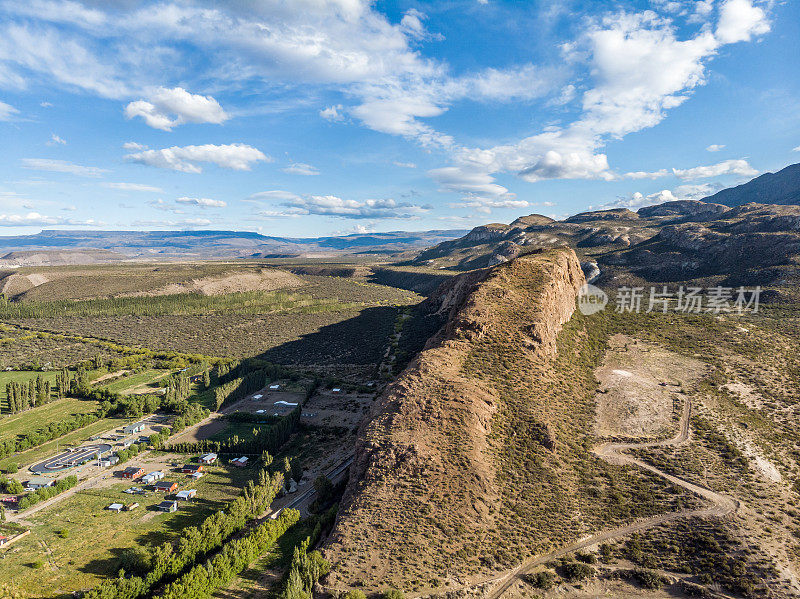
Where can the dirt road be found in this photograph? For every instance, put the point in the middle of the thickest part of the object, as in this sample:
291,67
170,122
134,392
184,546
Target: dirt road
720,505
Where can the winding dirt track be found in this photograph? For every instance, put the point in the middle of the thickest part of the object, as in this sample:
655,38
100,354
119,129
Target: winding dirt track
719,505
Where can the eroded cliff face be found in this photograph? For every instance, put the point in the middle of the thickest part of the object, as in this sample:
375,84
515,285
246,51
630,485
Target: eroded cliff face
424,475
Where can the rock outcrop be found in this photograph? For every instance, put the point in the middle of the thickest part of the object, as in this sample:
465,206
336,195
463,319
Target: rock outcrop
423,473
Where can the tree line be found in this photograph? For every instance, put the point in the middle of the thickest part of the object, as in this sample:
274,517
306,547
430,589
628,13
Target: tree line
205,578
160,565
307,568
21,396
267,438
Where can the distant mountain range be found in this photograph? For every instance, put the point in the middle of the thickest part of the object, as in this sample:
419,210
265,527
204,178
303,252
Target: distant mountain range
87,247
782,188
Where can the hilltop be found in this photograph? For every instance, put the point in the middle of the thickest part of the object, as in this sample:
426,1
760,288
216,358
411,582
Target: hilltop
675,241
782,187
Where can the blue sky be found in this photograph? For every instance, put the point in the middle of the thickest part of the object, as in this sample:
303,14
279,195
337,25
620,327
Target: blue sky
312,117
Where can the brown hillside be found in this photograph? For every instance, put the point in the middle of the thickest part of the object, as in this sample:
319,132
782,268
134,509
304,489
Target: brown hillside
422,460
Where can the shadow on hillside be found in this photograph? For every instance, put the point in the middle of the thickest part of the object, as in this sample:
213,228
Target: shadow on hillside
358,340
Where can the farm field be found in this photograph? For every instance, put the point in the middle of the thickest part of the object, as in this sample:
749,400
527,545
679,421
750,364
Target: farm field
139,382
78,541
12,425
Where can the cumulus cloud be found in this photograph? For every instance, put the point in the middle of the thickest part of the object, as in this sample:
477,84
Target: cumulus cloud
122,186
300,168
238,157
7,111
740,21
797,149
167,108
132,145
62,166
715,147
330,205
727,167
201,202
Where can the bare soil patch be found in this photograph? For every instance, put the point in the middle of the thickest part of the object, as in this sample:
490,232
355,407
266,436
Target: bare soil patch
641,388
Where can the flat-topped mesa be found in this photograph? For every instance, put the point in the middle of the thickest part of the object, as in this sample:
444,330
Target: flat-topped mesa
424,472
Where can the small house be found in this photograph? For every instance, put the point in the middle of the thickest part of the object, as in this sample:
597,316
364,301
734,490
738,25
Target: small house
39,482
152,477
115,507
132,429
196,475
208,458
257,396
168,506
187,494
191,468
132,472
127,443
274,387
109,461
166,486
131,506
285,403
240,462
3,540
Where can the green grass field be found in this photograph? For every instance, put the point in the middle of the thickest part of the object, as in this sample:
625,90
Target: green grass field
146,378
79,542
35,418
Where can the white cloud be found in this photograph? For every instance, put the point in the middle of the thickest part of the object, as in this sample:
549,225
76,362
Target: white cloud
239,157
681,192
715,147
404,164
299,168
797,149
727,167
470,183
133,187
202,202
329,205
740,21
62,166
35,219
7,112
411,25
45,104
332,113
648,174
275,194
55,140
167,108
132,145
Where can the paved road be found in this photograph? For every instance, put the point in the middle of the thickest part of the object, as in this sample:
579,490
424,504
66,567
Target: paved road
719,505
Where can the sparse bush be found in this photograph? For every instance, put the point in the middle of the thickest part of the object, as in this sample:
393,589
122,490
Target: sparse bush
393,594
541,580
575,571
649,579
